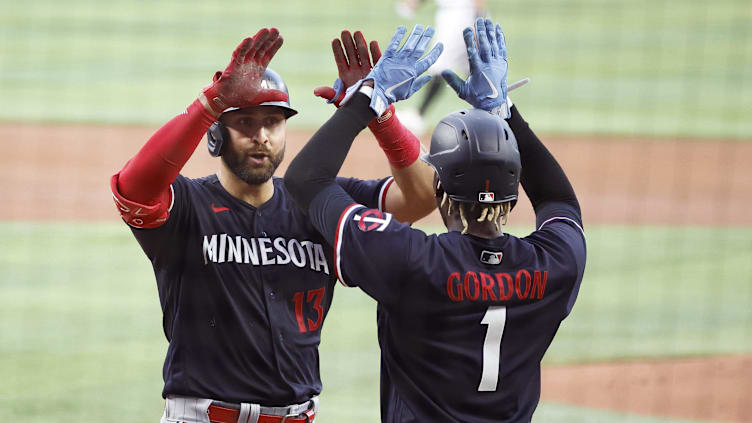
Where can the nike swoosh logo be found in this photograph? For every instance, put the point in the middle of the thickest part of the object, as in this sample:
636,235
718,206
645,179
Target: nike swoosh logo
389,90
216,209
490,84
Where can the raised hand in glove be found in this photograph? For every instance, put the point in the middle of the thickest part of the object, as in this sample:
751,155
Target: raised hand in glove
396,76
486,87
239,85
353,64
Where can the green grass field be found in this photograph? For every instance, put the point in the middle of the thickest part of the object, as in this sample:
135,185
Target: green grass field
81,326
648,67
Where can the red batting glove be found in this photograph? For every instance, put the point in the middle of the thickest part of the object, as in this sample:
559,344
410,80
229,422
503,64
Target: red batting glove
328,93
353,63
239,85
401,147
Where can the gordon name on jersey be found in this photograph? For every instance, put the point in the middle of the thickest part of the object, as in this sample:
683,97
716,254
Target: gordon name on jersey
224,248
502,286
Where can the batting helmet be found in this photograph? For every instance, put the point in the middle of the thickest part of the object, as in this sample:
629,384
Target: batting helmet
217,134
476,157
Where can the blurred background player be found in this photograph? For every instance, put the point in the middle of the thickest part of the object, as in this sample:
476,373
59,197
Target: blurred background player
452,16
465,317
245,281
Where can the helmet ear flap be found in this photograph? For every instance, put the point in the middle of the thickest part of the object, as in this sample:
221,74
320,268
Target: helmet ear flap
216,138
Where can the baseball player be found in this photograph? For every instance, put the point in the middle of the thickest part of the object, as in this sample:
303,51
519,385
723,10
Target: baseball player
452,16
245,281
466,316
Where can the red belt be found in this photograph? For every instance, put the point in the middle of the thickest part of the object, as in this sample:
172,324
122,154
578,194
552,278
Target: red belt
219,414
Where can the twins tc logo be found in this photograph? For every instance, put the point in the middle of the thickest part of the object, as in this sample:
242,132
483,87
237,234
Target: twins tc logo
372,219
491,257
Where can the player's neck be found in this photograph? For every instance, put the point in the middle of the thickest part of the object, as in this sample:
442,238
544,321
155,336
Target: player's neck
255,195
484,229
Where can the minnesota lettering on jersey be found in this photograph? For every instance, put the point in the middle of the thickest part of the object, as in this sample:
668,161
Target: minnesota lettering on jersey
482,286
223,248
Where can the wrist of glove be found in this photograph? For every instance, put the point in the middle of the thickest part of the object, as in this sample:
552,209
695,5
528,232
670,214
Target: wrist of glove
379,100
334,95
214,99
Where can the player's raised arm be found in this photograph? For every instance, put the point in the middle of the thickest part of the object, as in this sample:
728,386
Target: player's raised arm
412,197
543,179
141,188
310,177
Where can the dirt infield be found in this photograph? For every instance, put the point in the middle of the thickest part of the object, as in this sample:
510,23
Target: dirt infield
624,180
61,172
713,388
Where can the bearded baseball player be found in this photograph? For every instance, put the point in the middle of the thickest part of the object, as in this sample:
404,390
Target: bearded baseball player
464,317
244,279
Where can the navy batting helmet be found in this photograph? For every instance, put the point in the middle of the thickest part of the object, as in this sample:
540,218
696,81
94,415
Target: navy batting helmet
217,134
476,157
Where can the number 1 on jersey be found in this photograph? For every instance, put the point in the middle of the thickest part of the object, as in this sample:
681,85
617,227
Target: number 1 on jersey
495,318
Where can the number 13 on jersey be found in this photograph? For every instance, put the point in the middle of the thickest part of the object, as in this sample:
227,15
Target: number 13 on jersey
495,318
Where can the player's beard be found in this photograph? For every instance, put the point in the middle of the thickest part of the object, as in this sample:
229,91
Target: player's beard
240,165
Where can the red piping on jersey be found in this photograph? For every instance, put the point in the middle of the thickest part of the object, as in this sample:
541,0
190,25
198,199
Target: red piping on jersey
337,239
382,196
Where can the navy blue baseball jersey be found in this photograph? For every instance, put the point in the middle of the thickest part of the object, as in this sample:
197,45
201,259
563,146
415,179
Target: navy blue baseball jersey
463,321
244,292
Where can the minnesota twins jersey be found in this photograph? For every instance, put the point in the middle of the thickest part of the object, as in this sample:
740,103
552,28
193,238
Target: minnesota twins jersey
463,321
244,292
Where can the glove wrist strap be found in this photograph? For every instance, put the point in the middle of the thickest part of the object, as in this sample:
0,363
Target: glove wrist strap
204,100
213,100
378,100
365,89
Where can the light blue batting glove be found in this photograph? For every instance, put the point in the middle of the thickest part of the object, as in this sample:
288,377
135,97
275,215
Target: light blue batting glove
486,87
338,87
396,75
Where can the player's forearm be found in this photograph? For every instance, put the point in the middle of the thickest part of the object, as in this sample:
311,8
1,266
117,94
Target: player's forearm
413,197
158,163
542,178
318,163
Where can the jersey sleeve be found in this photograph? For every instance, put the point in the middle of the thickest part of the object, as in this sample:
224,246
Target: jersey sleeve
370,193
157,227
150,216
558,210
371,251
560,235
141,215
